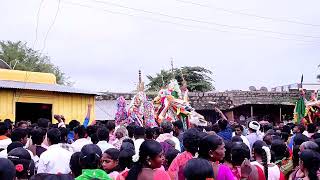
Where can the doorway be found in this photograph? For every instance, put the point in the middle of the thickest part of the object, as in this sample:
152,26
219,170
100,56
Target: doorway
33,111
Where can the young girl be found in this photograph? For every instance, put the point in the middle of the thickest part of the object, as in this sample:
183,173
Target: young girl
110,162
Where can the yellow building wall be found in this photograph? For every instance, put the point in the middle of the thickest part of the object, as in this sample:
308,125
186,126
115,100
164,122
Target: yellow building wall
72,106
27,76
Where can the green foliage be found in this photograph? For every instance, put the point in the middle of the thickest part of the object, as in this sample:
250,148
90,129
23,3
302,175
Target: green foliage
20,57
198,79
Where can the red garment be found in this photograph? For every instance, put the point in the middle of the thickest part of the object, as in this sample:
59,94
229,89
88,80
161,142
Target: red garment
2,137
176,168
261,175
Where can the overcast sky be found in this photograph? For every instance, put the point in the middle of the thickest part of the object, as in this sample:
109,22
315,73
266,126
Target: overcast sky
101,44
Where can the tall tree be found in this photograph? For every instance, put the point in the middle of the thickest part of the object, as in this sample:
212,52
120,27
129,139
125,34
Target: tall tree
21,57
198,79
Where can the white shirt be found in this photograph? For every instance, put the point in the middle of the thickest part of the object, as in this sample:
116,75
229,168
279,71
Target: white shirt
55,160
4,143
104,145
78,144
137,144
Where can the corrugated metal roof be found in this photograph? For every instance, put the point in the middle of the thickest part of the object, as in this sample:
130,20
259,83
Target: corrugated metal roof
42,87
106,109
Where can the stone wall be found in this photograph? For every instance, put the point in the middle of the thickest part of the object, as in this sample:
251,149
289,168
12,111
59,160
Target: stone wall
224,100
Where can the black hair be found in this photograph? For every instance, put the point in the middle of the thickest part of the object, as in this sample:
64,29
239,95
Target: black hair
239,126
228,146
64,134
149,133
210,142
111,125
130,129
299,139
148,149
21,122
37,136
3,128
284,136
113,153
73,124
18,134
315,136
80,131
286,129
90,156
310,145
279,149
166,127
75,164
45,176
311,128
139,132
178,124
222,124
14,145
171,154
125,159
43,122
236,139
239,152
20,156
295,155
198,169
156,131
191,140
128,140
311,161
258,150
103,134
54,136
7,169
301,128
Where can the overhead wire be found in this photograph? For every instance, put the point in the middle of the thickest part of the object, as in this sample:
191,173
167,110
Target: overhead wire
204,22
180,24
37,24
249,14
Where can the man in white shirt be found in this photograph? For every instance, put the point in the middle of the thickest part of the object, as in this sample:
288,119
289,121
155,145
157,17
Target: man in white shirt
55,160
80,135
103,137
254,133
4,139
139,135
167,129
239,132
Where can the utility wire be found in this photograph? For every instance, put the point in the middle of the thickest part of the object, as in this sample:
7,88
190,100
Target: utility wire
205,22
180,24
248,14
37,24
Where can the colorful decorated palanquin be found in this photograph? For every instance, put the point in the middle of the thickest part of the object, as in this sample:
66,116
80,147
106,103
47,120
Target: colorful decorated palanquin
305,111
171,104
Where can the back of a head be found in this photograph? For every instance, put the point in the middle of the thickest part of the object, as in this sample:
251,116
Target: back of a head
210,142
139,132
149,148
64,134
279,149
310,145
3,128
301,128
75,165
90,156
166,127
178,124
54,136
191,140
299,139
198,169
73,124
103,134
111,125
21,158
222,124
311,128
239,152
80,131
149,133
18,134
236,139
254,126
7,169
131,128
43,123
37,135
311,162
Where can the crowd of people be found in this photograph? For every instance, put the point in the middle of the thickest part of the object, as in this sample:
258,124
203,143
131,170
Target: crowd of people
221,151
